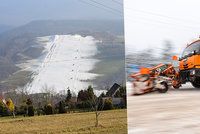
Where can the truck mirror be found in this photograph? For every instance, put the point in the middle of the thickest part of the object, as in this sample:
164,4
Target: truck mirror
174,57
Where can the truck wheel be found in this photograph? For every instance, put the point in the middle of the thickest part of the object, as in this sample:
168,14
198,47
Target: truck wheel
164,89
196,83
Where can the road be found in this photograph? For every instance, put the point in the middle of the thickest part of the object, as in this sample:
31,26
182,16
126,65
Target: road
175,112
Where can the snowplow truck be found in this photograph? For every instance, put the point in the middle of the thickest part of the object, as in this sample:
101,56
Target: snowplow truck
189,64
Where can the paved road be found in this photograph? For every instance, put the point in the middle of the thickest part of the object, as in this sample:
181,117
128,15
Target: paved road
175,112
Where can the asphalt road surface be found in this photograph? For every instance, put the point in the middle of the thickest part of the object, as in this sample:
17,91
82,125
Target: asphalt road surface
174,112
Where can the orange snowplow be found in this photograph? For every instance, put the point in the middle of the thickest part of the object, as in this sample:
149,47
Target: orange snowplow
188,70
189,64
158,78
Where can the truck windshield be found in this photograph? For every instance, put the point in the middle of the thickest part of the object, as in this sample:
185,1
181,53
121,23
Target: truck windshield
190,49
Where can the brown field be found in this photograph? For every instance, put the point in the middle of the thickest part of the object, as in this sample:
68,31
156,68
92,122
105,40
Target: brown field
112,122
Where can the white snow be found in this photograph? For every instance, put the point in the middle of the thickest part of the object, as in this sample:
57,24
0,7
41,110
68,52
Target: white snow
64,64
187,85
130,88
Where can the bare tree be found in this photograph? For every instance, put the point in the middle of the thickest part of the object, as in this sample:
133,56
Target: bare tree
23,92
97,105
49,93
74,94
98,108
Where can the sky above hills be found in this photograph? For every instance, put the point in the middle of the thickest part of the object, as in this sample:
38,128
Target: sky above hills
19,12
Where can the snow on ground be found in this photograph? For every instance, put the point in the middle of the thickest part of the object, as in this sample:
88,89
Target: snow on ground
64,64
130,89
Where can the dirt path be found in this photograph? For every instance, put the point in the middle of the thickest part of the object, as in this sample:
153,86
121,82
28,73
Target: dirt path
176,112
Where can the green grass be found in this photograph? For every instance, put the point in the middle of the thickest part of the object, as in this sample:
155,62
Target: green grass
112,122
108,67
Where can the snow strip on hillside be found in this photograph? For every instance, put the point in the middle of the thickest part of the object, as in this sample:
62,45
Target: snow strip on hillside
64,64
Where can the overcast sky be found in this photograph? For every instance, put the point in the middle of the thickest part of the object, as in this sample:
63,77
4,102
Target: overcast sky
148,23
18,12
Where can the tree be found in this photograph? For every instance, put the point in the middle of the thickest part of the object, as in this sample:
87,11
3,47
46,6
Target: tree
167,51
61,108
97,105
108,104
86,95
89,100
48,109
90,92
103,94
11,107
142,58
69,95
39,109
3,109
30,107
49,93
29,102
23,108
30,110
24,92
83,95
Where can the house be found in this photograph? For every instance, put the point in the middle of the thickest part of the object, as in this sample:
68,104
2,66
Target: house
112,91
116,101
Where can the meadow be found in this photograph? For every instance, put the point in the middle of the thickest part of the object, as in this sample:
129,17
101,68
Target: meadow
112,122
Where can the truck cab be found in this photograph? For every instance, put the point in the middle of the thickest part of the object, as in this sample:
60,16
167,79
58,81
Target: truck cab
189,64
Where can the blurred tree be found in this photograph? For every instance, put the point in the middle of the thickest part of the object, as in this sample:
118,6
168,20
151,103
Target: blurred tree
167,51
144,58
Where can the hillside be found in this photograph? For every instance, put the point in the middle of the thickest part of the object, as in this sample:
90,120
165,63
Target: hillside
4,28
20,45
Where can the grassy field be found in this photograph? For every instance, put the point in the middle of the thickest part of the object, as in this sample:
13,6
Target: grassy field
112,122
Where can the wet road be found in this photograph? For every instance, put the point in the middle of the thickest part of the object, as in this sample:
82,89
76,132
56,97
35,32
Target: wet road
175,112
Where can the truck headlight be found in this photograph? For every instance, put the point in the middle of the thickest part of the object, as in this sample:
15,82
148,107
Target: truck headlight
192,72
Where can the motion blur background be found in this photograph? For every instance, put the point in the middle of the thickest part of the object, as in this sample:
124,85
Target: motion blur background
154,31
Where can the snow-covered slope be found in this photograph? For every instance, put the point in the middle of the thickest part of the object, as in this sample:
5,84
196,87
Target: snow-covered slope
64,64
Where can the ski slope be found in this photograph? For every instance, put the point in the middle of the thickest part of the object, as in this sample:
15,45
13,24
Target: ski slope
65,63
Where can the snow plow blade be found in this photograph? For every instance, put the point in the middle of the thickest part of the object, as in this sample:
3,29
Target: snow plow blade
157,78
